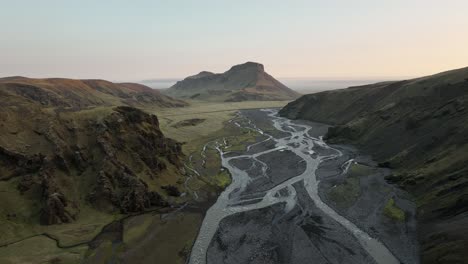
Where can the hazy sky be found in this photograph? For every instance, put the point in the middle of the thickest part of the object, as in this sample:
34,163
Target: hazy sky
135,40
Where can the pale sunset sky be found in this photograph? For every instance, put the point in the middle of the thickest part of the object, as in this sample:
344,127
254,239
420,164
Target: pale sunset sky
136,40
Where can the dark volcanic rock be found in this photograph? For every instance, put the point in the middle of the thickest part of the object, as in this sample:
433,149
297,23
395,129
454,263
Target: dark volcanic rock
54,211
55,203
124,191
271,235
189,122
171,190
14,164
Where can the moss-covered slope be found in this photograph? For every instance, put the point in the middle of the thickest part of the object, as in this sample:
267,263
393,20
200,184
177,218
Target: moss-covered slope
418,127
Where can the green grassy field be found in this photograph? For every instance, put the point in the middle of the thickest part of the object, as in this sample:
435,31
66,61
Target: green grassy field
215,113
40,250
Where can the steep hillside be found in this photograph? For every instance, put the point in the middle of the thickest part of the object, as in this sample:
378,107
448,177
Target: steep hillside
419,128
58,163
243,82
74,157
69,93
85,178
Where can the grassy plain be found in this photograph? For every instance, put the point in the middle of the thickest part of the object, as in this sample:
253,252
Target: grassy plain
215,113
41,250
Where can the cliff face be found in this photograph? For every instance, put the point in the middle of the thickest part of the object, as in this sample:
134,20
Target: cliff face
59,157
247,81
420,129
135,153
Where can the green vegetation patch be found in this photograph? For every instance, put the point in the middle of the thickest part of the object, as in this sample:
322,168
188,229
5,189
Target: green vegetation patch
136,227
222,179
40,249
19,219
240,142
215,114
165,240
346,194
394,212
358,170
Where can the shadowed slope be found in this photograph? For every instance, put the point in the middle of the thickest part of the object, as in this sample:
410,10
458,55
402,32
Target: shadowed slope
74,156
418,127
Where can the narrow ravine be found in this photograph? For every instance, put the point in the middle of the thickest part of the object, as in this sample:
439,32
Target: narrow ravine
300,143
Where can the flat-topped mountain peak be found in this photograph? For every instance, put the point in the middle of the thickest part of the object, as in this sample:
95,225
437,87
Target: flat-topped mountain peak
248,66
242,82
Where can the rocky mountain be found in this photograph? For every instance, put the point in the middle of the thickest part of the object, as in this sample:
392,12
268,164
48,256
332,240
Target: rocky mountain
70,93
243,82
74,146
419,128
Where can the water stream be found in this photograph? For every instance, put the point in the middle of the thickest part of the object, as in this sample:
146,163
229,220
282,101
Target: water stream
300,143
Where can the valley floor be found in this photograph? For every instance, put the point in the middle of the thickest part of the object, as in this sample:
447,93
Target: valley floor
293,230
272,212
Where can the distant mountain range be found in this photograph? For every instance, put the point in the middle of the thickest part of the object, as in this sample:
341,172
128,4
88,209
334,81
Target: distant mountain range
419,128
59,92
243,82
302,85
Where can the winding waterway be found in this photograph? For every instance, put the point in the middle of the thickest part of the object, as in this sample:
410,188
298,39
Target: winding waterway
299,142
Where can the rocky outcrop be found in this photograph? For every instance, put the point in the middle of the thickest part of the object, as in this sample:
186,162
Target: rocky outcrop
56,206
111,161
171,190
124,191
142,130
119,184
13,164
189,122
146,144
